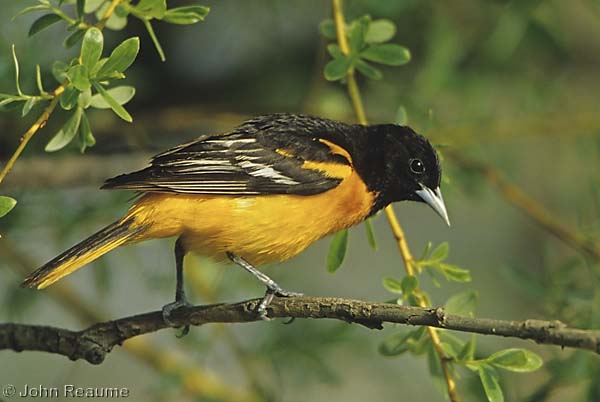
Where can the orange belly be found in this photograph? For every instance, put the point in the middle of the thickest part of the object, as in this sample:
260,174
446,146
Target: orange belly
261,229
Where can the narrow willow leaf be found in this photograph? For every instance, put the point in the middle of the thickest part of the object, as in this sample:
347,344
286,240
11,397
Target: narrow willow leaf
358,31
520,360
368,70
327,29
79,77
409,284
86,138
16,64
92,5
155,41
454,273
186,15
467,352
29,104
396,344
66,134
43,22
337,250
121,95
30,9
392,285
114,105
91,48
440,253
73,38
120,58
80,8
6,204
380,31
389,54
489,379
85,99
59,70
38,79
463,303
68,99
371,234
335,51
336,69
152,8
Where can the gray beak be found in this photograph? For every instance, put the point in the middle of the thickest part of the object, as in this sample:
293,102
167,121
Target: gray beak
434,199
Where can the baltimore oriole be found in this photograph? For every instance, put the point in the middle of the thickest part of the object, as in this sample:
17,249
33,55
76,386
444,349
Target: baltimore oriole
262,193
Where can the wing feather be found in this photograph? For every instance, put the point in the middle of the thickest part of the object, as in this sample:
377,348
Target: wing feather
251,160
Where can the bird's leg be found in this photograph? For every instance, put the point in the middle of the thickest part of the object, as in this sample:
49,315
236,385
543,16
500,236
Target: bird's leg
273,289
180,299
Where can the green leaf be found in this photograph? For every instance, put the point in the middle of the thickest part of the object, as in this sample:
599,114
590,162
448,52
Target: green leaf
114,105
74,38
489,379
337,250
520,360
392,285
29,104
327,29
86,138
389,54
336,69
151,8
467,352
6,205
370,234
120,58
396,344
440,252
59,70
463,303
121,95
66,134
367,70
78,75
92,5
43,22
380,31
358,31
91,48
30,9
85,99
155,41
16,64
335,51
80,8
409,284
186,15
68,99
454,273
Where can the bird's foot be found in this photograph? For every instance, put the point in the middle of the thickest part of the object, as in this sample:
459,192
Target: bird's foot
169,308
273,289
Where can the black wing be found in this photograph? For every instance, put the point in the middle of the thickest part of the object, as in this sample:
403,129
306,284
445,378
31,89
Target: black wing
267,155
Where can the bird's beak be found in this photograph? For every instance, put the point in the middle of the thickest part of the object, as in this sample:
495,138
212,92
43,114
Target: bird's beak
434,199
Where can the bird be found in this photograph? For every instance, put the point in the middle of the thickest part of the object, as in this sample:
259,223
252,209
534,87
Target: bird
262,193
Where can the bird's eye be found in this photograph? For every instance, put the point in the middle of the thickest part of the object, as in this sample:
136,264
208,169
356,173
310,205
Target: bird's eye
416,166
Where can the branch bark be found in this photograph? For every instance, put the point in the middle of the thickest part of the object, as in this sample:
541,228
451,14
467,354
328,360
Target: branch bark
95,342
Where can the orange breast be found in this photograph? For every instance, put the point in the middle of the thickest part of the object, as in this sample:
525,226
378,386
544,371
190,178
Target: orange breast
261,229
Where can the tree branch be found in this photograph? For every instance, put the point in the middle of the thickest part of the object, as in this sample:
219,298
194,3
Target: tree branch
94,343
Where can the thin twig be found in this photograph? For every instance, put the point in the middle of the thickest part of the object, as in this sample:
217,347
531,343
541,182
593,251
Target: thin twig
353,91
41,121
94,343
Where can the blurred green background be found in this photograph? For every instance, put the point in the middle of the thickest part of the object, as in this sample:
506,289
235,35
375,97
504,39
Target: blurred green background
512,83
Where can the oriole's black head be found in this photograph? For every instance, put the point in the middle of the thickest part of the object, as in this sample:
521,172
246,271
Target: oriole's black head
409,168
